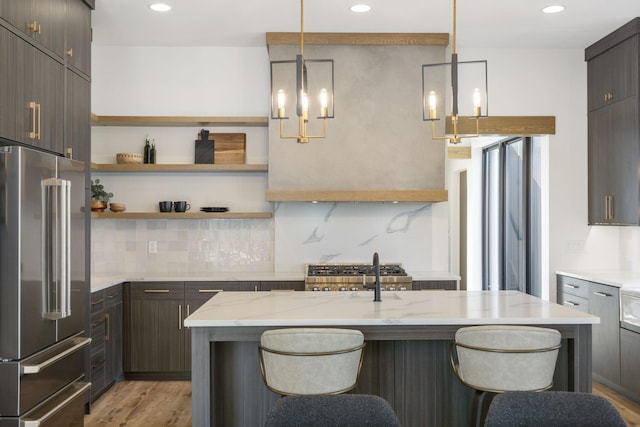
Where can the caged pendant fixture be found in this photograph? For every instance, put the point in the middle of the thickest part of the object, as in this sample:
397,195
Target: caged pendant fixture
304,78
467,79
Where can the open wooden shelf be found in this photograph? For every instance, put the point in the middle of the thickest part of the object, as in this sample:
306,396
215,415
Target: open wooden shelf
141,167
357,195
180,215
176,121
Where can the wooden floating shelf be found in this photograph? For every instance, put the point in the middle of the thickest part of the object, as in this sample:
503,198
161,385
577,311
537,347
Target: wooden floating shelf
137,167
180,215
176,121
357,195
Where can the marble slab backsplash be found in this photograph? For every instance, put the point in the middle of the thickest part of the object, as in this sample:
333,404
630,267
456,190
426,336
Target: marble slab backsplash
183,246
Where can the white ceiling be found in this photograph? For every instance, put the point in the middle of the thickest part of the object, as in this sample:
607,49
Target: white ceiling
481,23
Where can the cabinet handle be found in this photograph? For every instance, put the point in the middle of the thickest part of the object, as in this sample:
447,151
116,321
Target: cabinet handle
608,207
39,110
571,303
100,301
602,294
35,27
188,314
107,319
156,291
608,96
69,153
97,365
180,317
114,295
571,286
35,120
69,52
210,291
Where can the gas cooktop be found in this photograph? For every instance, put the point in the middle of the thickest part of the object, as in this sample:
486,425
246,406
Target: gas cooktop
354,277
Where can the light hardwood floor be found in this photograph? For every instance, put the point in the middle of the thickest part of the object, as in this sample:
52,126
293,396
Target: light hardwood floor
168,403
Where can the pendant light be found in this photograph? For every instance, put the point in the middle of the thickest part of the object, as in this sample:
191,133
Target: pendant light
304,78
467,80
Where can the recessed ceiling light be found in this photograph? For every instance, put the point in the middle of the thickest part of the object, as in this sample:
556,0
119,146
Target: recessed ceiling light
553,9
360,8
160,7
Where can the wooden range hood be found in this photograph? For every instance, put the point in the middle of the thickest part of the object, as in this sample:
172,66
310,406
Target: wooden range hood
417,196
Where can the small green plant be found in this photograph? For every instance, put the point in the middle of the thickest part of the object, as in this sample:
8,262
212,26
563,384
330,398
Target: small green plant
98,192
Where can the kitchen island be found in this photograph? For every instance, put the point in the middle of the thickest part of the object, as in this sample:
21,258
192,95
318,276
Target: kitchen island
406,358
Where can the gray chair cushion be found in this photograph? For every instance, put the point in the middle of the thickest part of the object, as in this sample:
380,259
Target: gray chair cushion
341,410
552,409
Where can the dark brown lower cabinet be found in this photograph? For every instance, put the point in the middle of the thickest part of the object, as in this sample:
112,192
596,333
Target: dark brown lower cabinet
441,285
155,338
630,363
106,339
158,344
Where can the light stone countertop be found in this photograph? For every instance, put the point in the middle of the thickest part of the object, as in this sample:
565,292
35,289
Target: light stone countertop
104,281
617,278
100,282
397,308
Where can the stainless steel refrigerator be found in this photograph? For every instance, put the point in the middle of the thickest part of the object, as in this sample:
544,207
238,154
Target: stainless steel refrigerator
43,290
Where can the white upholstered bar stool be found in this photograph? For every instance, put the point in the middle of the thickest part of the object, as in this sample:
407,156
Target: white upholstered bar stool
311,368
501,358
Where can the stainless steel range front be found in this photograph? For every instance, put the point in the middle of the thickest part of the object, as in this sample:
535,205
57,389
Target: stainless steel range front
355,277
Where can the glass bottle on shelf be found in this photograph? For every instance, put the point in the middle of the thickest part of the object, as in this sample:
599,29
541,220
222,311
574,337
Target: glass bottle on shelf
147,152
152,154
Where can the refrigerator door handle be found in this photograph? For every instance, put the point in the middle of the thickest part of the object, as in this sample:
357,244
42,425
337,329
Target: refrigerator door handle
56,229
78,343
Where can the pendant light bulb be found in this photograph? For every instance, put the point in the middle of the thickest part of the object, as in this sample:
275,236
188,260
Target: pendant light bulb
432,105
477,109
281,100
324,102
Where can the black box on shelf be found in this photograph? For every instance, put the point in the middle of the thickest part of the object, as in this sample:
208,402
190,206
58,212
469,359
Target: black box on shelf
204,151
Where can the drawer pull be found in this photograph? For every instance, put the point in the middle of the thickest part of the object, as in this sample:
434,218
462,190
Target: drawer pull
571,303
100,301
78,343
98,365
79,390
99,322
156,291
571,286
107,337
602,294
210,291
112,296
180,317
